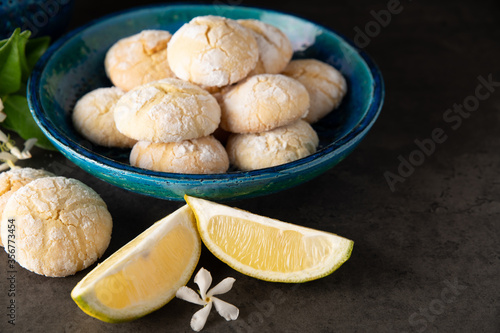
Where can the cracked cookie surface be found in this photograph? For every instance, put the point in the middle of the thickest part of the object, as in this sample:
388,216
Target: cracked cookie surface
13,180
169,110
325,84
61,226
281,145
198,156
212,51
139,59
93,118
275,49
263,102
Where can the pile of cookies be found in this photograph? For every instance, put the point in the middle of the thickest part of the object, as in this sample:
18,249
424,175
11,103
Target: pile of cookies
176,97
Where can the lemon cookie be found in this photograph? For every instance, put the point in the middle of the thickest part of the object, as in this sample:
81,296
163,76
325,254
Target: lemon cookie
138,59
275,49
198,156
325,84
93,118
61,226
212,51
281,145
168,110
13,180
262,103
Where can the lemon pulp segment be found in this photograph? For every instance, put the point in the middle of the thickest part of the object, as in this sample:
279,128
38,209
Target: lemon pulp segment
144,274
148,274
267,248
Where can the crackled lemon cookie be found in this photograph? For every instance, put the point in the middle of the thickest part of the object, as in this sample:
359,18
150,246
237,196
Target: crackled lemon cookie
13,180
201,156
212,51
93,118
325,84
61,226
262,103
138,59
275,49
168,110
281,145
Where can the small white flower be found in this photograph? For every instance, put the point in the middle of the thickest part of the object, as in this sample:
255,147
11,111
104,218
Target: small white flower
203,279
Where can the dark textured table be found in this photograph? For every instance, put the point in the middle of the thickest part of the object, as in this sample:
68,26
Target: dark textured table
420,196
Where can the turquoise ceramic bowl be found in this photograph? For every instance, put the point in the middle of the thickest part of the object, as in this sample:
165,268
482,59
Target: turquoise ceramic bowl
74,65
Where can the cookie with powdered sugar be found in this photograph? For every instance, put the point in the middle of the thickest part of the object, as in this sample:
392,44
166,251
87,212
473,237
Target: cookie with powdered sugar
281,145
138,59
169,110
14,179
198,156
61,226
275,49
212,51
93,118
263,102
325,84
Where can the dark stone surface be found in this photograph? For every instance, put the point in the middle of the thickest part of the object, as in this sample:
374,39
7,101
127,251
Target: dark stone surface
439,227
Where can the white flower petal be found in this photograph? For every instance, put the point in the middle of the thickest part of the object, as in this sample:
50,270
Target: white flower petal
203,279
29,144
4,166
25,155
200,317
3,137
16,152
226,310
4,156
189,295
2,116
223,287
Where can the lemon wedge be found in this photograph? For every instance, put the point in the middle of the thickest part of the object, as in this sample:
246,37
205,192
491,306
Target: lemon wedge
266,248
144,274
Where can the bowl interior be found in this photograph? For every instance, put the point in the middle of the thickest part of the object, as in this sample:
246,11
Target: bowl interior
74,66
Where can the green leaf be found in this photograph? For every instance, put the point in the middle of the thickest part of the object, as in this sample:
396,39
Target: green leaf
18,56
21,46
10,66
20,120
34,50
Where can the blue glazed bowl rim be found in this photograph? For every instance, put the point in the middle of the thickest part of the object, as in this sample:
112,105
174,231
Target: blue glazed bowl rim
353,136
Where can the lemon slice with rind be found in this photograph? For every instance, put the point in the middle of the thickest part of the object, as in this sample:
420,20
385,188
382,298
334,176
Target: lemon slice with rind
144,274
266,248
